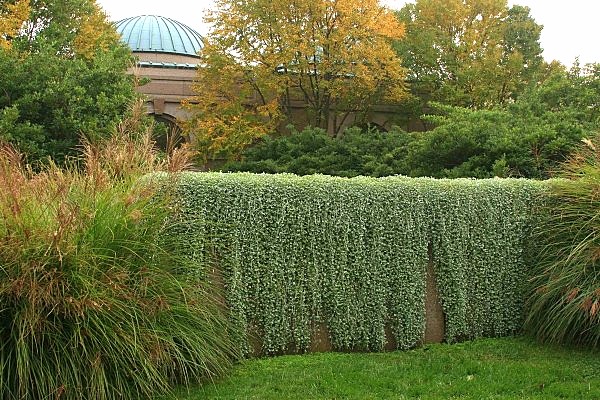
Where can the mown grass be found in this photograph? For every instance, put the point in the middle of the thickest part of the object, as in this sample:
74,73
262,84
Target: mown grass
512,368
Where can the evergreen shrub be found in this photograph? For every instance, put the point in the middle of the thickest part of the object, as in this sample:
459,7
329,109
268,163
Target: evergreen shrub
297,252
312,151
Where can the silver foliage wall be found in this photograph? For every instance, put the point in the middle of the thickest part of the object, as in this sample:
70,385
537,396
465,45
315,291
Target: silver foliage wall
299,252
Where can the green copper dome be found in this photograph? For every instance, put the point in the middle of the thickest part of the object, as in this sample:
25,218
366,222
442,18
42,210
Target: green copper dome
154,34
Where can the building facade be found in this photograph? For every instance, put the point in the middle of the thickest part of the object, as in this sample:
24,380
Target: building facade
167,53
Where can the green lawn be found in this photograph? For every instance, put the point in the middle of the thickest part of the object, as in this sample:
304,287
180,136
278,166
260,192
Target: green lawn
486,369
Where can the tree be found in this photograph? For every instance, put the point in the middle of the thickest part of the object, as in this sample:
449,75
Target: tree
72,27
61,79
12,17
263,57
469,53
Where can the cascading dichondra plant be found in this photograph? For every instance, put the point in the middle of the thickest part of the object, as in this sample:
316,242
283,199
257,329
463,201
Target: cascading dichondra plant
298,253
94,303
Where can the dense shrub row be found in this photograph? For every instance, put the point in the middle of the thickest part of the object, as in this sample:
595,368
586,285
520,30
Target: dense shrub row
529,139
296,252
313,151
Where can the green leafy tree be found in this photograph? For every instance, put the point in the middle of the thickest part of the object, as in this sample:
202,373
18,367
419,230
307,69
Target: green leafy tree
470,53
64,76
74,28
473,143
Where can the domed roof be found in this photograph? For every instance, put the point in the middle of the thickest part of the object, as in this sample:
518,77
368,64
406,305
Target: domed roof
155,34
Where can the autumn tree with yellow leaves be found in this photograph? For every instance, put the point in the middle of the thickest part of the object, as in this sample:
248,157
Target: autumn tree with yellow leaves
12,17
263,57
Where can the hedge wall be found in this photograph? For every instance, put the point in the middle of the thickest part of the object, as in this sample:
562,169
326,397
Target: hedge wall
298,252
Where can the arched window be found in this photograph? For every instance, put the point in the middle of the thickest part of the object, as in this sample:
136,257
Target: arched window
167,132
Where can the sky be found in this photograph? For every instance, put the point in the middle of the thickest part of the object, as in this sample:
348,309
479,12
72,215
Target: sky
571,28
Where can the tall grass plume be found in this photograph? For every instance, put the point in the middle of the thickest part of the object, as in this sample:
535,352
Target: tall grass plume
564,302
94,302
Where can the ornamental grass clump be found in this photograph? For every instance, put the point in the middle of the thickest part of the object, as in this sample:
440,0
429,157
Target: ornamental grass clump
94,304
564,302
